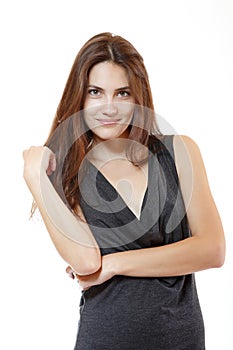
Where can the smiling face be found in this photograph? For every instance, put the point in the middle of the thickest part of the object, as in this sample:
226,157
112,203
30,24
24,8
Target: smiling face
108,105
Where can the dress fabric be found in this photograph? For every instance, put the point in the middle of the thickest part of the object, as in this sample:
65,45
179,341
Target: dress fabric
131,313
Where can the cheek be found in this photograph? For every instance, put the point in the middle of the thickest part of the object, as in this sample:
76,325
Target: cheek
92,103
89,118
126,110
91,110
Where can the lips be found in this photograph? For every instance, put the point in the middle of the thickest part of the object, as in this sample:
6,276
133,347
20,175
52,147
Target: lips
108,121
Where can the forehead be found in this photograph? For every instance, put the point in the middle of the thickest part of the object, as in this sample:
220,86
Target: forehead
108,73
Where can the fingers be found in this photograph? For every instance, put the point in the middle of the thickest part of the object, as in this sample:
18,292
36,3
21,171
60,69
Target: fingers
40,157
49,160
70,272
52,164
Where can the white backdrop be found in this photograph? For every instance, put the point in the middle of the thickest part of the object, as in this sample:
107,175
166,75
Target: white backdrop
188,50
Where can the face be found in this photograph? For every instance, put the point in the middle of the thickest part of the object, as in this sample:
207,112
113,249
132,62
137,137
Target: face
108,105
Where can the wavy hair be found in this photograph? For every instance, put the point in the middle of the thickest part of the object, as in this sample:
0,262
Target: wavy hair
65,127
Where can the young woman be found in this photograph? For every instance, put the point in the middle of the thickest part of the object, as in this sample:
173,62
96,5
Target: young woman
129,209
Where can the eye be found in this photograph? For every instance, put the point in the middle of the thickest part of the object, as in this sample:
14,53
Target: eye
123,93
94,92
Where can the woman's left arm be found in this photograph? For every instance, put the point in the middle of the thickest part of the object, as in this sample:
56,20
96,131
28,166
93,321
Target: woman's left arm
204,250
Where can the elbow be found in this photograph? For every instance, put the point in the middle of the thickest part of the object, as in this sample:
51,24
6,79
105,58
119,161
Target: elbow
88,267
218,255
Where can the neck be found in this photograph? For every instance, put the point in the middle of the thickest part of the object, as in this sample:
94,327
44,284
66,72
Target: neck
109,149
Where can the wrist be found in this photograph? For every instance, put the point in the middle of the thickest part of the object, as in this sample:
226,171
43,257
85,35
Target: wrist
30,174
34,178
111,263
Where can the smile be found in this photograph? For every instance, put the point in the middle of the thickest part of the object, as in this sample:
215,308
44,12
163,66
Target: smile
108,121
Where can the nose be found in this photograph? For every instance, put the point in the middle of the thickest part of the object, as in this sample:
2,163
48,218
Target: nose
109,109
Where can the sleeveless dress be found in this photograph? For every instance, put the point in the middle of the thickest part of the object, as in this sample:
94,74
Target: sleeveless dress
139,313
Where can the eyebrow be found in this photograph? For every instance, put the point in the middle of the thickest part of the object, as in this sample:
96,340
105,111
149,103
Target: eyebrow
118,89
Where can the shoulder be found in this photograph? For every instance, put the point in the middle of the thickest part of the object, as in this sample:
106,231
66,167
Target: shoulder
181,147
184,141
187,154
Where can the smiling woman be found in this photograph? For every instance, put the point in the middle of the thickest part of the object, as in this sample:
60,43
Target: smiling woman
109,106
129,209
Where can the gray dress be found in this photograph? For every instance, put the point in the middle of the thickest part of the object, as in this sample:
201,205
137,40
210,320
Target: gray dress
130,313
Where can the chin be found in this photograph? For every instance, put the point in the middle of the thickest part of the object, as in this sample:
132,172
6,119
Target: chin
111,134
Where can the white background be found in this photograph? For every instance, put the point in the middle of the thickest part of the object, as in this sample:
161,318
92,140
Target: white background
188,51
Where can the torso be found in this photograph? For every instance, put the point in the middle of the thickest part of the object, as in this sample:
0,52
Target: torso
142,311
130,181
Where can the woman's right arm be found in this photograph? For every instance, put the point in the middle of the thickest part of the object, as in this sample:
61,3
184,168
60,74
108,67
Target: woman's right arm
72,238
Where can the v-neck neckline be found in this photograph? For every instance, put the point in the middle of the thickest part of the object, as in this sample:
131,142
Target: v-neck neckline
120,196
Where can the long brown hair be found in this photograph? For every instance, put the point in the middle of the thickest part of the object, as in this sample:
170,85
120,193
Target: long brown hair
100,48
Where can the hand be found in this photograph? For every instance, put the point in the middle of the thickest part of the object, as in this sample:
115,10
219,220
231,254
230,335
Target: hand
102,275
70,272
37,159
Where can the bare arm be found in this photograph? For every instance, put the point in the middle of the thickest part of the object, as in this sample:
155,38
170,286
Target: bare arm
205,249
71,237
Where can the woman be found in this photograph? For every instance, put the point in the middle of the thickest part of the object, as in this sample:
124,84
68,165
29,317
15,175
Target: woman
129,209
